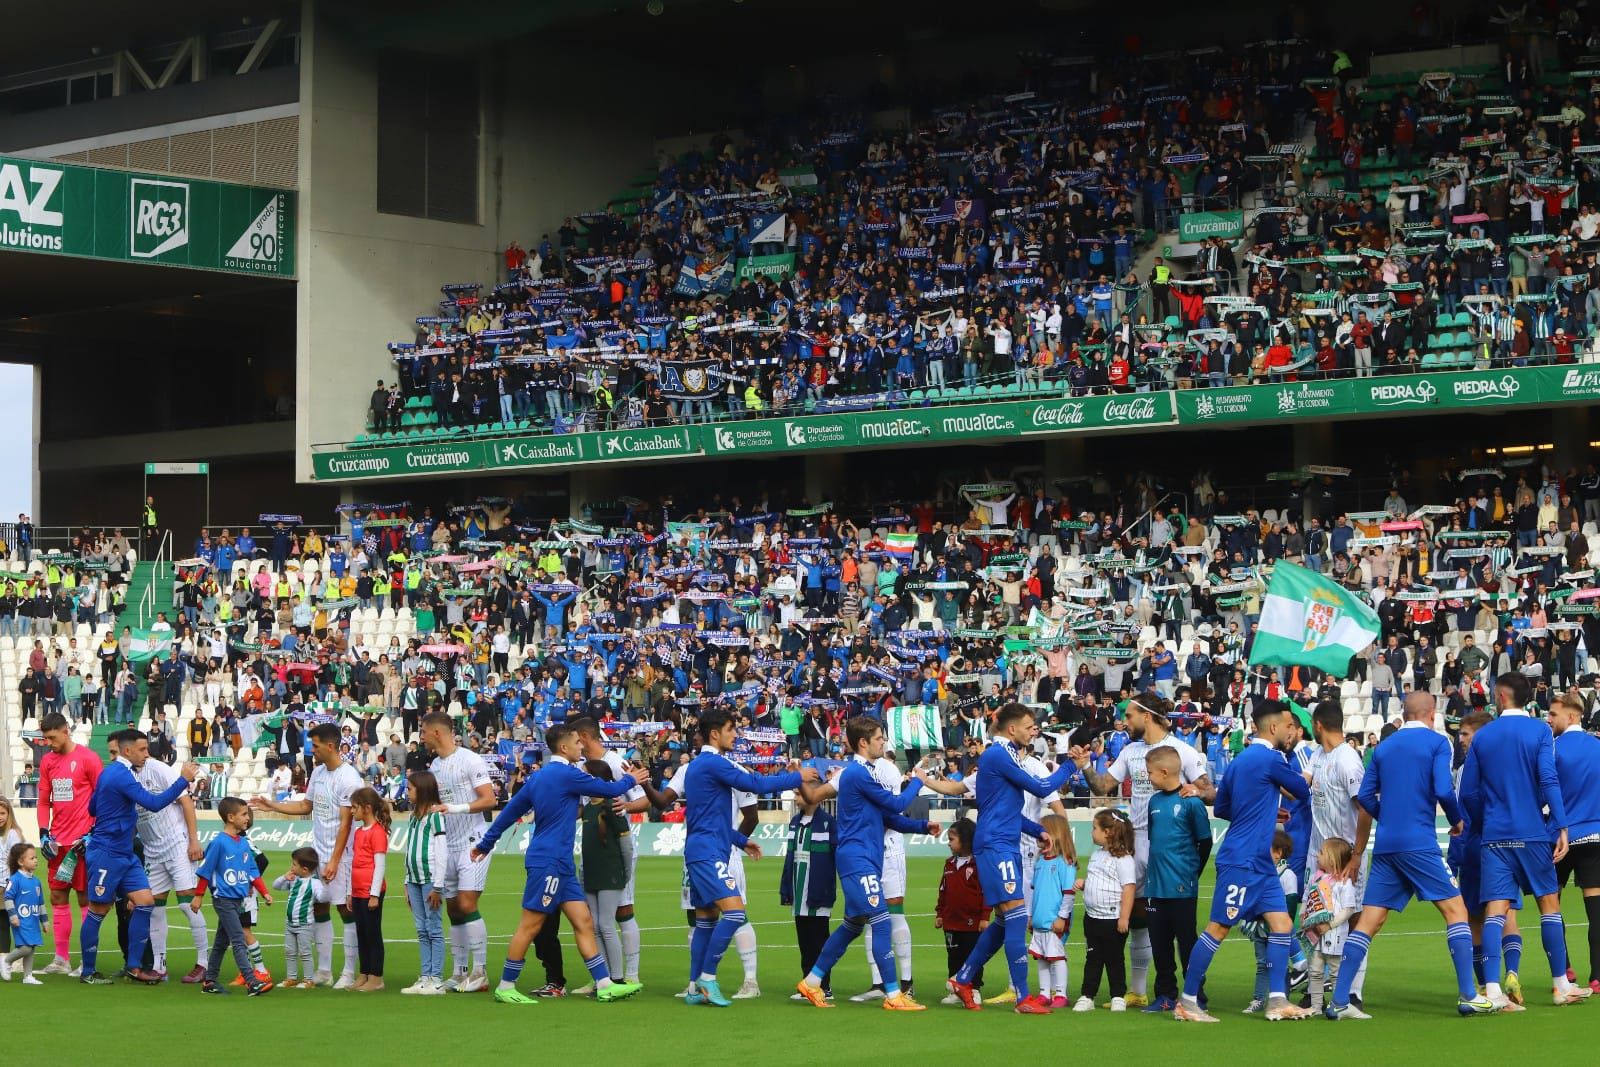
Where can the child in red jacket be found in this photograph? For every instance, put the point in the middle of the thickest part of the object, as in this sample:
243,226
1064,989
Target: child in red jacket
960,912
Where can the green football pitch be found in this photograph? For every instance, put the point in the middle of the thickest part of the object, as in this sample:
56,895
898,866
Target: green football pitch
1410,992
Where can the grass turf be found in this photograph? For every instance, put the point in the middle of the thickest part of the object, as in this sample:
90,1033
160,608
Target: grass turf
1410,990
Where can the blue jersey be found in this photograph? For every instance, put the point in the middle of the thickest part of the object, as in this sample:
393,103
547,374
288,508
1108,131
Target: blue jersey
1053,892
1578,768
865,810
1408,779
229,867
1180,839
25,896
115,803
1000,785
708,786
554,793
1510,777
1248,798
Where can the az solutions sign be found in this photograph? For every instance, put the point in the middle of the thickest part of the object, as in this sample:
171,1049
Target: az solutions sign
70,210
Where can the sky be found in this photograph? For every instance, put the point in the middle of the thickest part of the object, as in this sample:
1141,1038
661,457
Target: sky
16,444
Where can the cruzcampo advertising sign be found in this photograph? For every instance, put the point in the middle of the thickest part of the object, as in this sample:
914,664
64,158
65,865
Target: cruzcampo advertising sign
63,209
1196,226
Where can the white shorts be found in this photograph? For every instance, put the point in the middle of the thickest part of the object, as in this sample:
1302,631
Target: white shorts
250,908
894,875
462,875
338,890
1141,860
1046,945
171,871
631,854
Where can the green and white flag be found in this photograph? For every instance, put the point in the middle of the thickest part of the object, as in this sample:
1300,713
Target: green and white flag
1309,621
914,726
148,644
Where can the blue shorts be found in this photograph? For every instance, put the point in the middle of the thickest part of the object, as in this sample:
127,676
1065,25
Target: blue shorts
709,882
547,889
1468,874
1000,874
1245,894
1397,877
863,893
1511,870
110,877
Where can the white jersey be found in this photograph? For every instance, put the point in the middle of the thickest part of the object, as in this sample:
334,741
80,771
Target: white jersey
614,760
1335,783
330,795
1192,767
1034,808
160,831
459,775
887,773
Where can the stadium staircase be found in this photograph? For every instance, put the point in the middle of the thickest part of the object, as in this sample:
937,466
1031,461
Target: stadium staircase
148,582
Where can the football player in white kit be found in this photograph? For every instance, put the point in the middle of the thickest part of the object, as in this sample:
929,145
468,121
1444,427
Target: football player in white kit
466,796
1147,718
1335,778
594,747
887,773
744,816
327,801
171,842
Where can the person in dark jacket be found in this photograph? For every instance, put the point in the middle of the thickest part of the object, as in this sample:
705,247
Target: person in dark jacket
808,887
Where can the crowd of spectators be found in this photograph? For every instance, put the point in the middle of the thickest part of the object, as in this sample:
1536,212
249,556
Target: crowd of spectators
799,617
1448,222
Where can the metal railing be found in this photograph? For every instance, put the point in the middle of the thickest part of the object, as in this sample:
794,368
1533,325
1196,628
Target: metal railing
59,538
147,599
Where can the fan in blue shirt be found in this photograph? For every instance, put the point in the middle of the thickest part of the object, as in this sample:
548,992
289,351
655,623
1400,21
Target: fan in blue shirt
709,784
1247,885
866,810
1406,783
997,852
1508,781
554,794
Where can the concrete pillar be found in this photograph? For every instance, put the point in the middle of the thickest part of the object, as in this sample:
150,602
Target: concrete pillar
1064,456
1313,443
824,477
587,486
1570,433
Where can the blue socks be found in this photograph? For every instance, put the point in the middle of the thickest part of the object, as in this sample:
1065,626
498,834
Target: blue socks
89,940
833,949
1205,947
1355,953
1554,935
1278,946
1477,963
721,937
511,971
1016,939
597,968
1494,928
883,952
989,942
1458,937
699,945
1513,944
138,935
